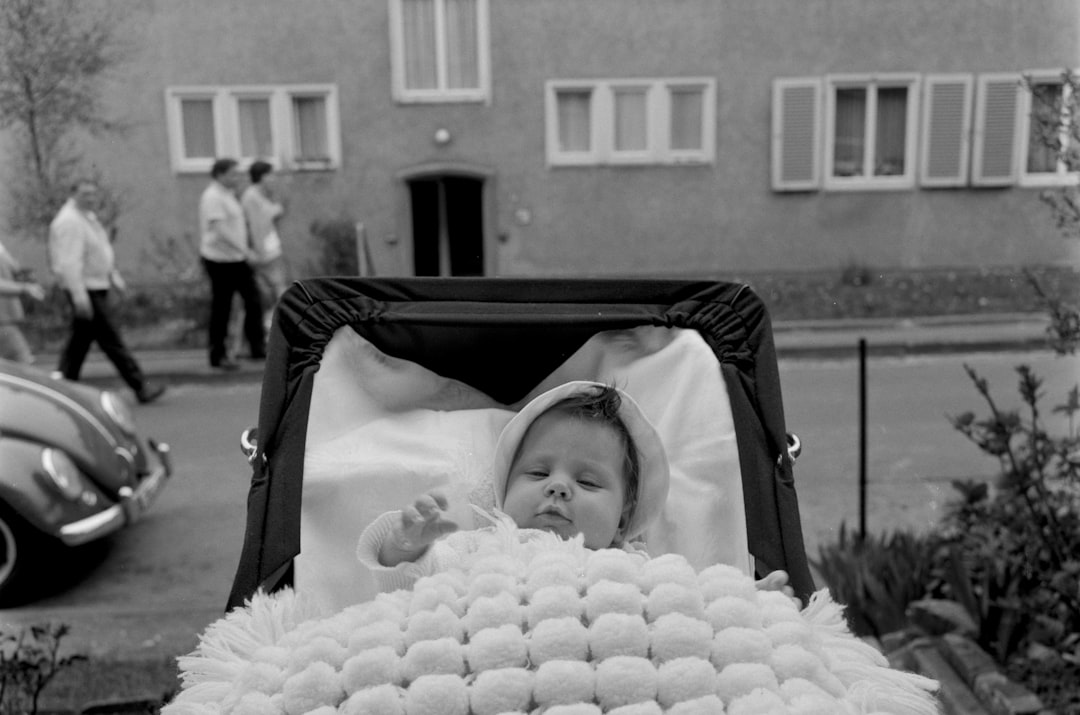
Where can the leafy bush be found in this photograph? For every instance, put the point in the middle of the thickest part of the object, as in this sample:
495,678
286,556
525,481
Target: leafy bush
876,577
1012,554
29,660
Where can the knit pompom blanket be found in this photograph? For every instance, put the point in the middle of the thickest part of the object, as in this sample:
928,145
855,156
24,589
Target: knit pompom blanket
542,625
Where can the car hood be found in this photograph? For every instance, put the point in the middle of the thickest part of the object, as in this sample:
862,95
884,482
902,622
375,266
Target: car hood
68,416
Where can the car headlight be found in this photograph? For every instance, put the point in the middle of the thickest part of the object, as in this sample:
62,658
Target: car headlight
65,476
118,411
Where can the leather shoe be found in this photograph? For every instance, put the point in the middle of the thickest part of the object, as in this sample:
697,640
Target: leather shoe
149,393
227,364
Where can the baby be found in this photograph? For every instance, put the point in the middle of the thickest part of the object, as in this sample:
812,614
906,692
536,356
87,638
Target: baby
580,459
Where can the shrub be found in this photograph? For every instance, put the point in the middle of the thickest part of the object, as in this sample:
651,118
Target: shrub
29,660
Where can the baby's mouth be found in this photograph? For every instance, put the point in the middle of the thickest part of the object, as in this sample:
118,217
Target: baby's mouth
553,513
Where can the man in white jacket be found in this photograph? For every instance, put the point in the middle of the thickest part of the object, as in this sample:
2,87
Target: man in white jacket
82,259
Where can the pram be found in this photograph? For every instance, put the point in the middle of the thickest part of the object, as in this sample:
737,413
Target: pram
698,355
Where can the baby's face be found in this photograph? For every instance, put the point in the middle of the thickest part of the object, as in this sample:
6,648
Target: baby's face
568,478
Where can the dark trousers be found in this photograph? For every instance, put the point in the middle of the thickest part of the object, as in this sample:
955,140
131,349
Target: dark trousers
98,328
226,279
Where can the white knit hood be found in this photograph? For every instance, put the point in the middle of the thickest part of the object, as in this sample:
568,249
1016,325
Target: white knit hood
652,487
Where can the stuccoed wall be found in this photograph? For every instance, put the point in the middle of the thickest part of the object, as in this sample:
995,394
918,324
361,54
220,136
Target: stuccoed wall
587,221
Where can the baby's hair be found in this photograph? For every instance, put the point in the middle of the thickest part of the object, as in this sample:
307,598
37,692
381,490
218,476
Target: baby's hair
601,405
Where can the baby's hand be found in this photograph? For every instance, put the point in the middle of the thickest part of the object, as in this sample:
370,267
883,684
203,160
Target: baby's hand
778,581
422,522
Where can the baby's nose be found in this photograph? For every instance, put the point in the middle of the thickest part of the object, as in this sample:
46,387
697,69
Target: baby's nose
557,487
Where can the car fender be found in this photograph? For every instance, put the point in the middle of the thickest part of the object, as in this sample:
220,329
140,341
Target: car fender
28,490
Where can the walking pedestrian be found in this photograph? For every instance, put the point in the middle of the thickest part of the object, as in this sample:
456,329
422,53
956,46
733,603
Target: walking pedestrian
227,257
13,344
82,259
263,210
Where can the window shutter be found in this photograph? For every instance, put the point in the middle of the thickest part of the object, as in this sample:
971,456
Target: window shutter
796,139
996,125
946,127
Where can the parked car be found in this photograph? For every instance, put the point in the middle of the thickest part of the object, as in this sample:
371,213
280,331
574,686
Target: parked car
73,469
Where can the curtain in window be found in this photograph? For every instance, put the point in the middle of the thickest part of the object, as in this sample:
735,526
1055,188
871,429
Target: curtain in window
687,110
418,20
1045,126
574,119
462,52
849,146
309,127
891,134
197,118
631,122
254,119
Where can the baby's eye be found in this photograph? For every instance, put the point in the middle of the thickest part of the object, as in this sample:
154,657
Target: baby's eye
536,473
589,482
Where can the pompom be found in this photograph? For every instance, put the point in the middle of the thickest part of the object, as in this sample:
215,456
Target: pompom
648,707
560,682
437,695
796,632
729,611
377,666
667,569
380,700
760,701
624,680
674,598
789,660
381,633
740,645
320,649
432,625
813,705
612,597
684,679
260,677
502,647
615,634
740,679
272,654
254,703
438,594
717,583
611,565
575,709
491,584
497,563
776,607
558,639
552,574
501,691
444,656
318,684
678,636
493,611
553,602
706,705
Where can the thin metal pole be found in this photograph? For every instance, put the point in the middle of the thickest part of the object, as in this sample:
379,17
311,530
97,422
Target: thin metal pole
862,438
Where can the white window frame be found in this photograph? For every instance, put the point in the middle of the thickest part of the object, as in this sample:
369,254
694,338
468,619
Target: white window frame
658,150
442,93
868,181
1062,177
227,127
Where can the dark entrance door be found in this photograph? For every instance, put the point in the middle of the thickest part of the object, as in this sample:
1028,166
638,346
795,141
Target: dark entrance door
448,226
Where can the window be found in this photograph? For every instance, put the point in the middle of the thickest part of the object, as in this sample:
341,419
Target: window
440,50
870,131
630,121
1044,130
291,126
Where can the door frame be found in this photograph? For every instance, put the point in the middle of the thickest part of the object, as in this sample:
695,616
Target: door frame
437,169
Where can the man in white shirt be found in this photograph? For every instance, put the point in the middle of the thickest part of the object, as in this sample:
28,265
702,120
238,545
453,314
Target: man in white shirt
263,212
82,259
227,256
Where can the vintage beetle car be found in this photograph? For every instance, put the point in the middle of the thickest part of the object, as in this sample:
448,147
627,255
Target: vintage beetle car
73,469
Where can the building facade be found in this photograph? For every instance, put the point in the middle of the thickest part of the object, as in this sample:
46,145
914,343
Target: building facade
605,137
